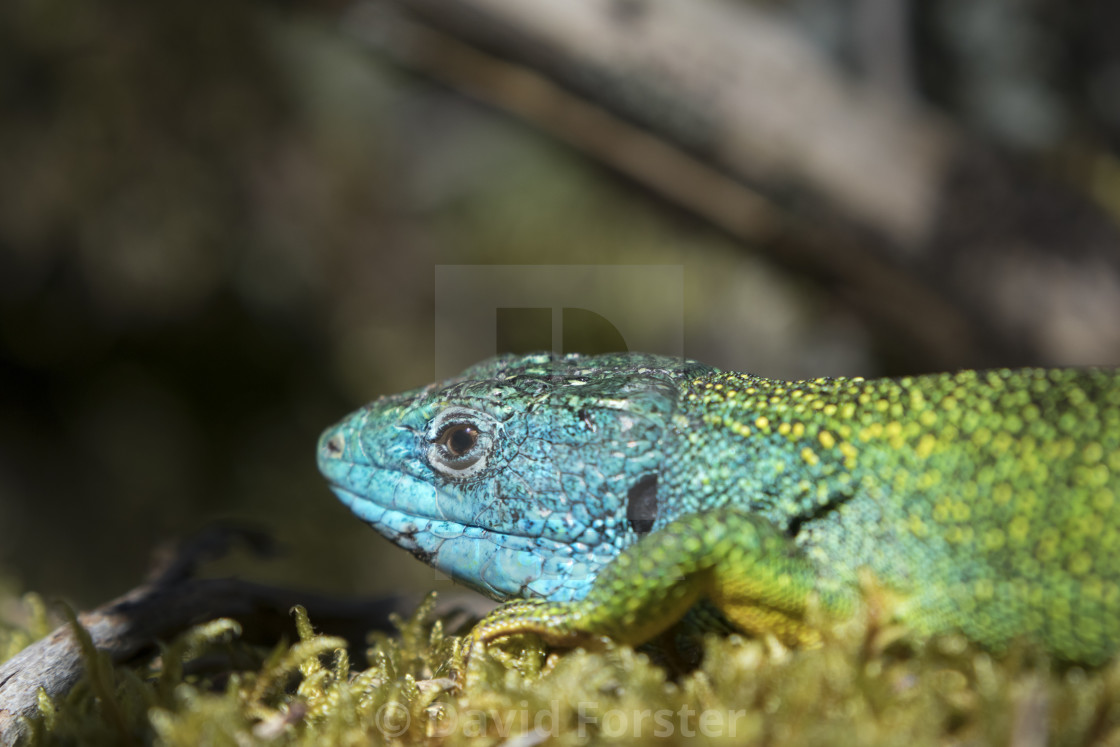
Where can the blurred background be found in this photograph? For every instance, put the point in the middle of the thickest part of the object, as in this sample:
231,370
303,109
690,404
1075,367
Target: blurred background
219,225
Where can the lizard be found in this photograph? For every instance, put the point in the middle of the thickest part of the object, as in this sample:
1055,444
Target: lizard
612,496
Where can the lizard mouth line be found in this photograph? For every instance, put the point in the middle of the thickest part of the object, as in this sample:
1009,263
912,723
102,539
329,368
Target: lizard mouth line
355,500
498,564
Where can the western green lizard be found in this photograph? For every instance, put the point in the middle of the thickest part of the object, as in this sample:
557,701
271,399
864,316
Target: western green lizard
613,495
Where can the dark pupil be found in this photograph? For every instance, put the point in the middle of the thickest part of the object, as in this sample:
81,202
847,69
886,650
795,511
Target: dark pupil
459,439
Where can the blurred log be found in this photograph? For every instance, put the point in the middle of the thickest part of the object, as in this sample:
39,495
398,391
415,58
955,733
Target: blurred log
725,110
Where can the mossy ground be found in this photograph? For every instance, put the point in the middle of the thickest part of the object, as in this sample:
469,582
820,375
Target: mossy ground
867,685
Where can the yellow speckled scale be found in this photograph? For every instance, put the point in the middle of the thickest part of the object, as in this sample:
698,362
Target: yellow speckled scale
988,499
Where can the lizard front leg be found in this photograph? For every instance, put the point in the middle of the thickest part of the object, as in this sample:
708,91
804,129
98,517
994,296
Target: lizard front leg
741,563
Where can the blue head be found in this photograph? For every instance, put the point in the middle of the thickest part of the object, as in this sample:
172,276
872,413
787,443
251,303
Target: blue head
524,476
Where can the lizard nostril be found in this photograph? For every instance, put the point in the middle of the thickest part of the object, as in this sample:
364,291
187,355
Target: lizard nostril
335,445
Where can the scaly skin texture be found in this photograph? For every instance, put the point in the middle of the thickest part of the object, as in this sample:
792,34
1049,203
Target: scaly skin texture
614,494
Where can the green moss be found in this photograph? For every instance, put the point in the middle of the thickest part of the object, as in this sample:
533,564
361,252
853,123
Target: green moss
868,684
15,638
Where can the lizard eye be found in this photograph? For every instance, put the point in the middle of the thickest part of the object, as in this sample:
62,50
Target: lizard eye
459,442
458,439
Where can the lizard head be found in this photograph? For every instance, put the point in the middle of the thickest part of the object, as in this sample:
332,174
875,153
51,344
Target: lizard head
521,477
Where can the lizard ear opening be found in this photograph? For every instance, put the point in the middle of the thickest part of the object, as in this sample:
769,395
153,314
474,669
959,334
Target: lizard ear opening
641,504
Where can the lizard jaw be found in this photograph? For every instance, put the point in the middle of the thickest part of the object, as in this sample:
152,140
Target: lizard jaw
501,566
